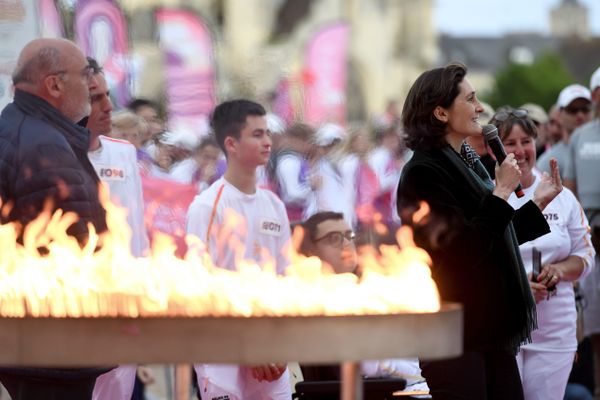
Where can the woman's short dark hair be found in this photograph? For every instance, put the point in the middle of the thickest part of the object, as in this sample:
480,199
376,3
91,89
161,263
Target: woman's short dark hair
510,117
436,87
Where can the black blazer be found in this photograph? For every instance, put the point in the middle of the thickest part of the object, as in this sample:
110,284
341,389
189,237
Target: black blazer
464,235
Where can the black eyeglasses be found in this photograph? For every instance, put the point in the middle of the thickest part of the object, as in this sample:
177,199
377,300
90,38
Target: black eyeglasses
582,109
502,116
336,238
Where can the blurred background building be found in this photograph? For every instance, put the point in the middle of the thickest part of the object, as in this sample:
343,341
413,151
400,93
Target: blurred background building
259,43
320,60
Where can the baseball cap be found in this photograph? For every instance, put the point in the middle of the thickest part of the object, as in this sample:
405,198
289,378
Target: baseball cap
535,112
275,124
595,80
329,134
181,139
573,92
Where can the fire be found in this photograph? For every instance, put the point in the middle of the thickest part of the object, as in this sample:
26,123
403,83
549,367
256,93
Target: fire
102,279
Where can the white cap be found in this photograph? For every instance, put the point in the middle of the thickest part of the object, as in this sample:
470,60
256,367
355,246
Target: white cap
535,112
329,134
573,92
275,124
181,139
595,80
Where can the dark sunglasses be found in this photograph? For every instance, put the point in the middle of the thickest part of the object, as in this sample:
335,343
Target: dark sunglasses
583,109
502,116
336,238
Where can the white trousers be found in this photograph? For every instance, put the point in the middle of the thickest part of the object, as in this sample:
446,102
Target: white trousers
116,384
544,373
234,382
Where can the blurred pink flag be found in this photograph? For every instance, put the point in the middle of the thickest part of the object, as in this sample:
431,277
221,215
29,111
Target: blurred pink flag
166,204
101,31
324,75
190,67
50,21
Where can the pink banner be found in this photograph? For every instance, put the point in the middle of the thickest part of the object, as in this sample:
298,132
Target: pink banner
166,204
190,65
101,31
324,75
50,21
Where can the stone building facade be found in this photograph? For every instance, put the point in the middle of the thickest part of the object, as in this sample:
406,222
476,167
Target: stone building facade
259,41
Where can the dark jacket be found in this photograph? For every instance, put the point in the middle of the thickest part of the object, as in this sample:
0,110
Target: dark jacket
43,156
465,237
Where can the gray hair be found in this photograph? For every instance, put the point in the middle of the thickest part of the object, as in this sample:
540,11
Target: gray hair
46,61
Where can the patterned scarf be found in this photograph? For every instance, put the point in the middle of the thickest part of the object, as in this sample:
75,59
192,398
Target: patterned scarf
469,155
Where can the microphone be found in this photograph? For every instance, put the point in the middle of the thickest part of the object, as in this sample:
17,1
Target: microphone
490,133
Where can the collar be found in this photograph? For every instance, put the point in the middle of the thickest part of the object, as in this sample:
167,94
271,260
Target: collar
77,136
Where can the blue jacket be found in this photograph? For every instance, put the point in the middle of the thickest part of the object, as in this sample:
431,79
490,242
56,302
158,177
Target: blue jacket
43,156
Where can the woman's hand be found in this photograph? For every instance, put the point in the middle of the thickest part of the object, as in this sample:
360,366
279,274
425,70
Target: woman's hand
549,187
508,176
550,275
539,291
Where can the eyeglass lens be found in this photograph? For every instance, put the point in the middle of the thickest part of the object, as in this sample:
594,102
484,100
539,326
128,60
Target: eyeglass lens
337,238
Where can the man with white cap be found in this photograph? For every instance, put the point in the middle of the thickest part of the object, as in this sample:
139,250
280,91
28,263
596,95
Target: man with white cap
581,176
575,106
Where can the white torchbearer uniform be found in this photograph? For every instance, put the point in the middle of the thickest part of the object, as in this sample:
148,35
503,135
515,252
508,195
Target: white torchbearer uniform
263,226
116,164
545,363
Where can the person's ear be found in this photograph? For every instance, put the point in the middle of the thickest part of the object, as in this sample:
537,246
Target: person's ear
53,85
441,114
230,144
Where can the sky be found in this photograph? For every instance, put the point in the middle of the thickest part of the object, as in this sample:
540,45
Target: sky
498,17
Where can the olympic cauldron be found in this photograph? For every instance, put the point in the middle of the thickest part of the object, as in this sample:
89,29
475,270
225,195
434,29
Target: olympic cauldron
76,308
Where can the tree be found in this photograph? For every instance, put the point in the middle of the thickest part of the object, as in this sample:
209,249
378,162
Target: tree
538,83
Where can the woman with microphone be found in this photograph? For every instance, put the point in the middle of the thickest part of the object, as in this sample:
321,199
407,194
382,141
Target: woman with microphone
472,235
566,255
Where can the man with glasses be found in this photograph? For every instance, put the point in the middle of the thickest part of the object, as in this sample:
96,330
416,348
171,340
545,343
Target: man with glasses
328,236
43,160
43,152
575,106
581,176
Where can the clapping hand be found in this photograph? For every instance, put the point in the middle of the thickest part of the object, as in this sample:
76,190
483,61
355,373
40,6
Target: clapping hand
549,187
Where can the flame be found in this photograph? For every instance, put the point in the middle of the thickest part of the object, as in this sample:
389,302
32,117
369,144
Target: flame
102,279
421,212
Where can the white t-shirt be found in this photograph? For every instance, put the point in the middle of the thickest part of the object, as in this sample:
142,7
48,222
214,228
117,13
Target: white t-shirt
264,225
288,173
381,160
116,164
348,166
569,235
183,171
330,194
261,224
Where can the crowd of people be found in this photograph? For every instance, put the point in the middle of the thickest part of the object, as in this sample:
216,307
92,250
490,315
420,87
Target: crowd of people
522,266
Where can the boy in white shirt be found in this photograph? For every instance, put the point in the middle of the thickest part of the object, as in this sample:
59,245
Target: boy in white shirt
240,129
